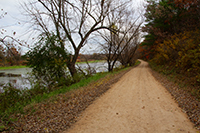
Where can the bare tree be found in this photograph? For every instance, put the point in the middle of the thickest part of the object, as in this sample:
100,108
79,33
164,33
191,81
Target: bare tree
121,46
128,55
73,21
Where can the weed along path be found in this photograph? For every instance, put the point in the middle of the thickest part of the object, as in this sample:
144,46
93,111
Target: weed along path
135,104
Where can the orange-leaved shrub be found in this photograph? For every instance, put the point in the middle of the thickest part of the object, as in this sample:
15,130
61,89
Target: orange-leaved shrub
182,51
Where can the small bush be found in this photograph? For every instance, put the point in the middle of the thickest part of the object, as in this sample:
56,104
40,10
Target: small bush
9,97
48,60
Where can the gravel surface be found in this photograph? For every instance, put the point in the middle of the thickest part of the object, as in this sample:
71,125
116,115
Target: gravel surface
137,103
189,104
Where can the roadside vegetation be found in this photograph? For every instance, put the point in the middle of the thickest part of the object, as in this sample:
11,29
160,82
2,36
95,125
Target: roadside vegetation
178,58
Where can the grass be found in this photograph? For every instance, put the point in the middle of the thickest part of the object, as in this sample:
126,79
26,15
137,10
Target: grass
65,89
12,67
137,63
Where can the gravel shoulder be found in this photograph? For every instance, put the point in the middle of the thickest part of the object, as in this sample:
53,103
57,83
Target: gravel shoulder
136,103
188,103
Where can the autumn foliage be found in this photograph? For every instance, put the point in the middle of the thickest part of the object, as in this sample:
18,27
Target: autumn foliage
181,51
10,56
173,36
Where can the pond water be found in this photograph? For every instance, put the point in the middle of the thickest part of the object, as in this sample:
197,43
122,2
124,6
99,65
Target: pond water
18,77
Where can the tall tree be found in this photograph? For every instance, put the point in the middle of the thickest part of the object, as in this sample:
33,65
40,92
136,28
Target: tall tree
72,21
163,19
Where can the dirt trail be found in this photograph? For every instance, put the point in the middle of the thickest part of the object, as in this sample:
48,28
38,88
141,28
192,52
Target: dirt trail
135,104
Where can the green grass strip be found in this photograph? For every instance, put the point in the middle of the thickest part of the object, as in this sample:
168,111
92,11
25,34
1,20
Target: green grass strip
65,89
12,67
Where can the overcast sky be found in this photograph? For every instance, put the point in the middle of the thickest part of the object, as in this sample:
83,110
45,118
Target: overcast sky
14,21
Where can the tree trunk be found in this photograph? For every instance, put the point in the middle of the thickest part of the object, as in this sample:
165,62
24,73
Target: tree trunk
71,64
109,66
72,69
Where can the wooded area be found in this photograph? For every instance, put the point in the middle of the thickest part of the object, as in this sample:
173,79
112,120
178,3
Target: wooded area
173,36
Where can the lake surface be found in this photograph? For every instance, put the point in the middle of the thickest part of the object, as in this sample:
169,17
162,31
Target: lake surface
22,82
17,81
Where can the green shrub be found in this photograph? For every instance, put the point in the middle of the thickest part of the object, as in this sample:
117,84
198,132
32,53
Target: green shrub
48,60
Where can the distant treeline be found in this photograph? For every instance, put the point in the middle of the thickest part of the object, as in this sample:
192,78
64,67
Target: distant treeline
10,56
89,57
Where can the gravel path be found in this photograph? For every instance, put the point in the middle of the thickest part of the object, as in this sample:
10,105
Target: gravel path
135,104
